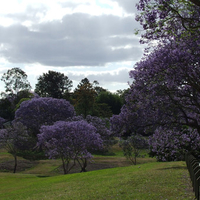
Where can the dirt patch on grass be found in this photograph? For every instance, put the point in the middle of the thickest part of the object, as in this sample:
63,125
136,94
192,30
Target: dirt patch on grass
97,163
22,165
54,167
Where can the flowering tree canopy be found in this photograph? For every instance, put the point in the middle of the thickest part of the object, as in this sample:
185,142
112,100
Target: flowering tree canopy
70,141
43,111
165,92
102,128
171,145
163,19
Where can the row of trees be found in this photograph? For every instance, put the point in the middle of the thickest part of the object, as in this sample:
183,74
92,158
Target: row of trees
55,121
87,98
163,101
50,125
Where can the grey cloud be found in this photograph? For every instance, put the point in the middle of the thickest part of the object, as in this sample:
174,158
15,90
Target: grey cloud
31,14
128,5
122,76
119,77
77,40
71,4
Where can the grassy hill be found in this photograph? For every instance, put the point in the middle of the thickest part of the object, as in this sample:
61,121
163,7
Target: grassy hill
149,180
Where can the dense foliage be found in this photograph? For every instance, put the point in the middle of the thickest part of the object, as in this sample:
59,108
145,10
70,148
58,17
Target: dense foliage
84,96
102,128
2,121
70,141
114,101
165,93
87,98
170,145
53,84
162,19
43,111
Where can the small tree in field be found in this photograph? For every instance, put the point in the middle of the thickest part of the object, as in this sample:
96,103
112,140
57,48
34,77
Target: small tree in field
13,139
70,141
132,147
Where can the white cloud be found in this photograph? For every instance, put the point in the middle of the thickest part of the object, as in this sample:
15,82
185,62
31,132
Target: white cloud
93,38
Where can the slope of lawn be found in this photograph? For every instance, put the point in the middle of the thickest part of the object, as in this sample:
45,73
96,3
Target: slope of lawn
149,180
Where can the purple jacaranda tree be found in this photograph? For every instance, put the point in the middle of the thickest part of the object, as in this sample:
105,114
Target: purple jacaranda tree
13,139
102,128
172,145
165,89
164,19
43,111
165,92
71,141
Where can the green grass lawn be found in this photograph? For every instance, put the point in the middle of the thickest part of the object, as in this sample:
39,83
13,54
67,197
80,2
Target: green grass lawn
149,180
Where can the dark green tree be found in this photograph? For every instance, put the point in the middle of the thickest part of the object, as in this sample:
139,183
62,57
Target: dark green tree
11,102
6,111
15,80
122,94
53,84
98,89
84,98
114,101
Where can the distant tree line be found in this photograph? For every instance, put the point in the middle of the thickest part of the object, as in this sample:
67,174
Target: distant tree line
53,121
87,98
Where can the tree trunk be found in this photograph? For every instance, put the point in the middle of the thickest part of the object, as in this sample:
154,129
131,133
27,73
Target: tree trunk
64,168
83,168
15,166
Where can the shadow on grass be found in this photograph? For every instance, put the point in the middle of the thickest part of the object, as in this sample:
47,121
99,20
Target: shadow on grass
104,154
41,176
174,167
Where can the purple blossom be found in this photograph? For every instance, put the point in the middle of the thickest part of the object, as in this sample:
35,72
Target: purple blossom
171,145
43,111
102,128
162,20
70,141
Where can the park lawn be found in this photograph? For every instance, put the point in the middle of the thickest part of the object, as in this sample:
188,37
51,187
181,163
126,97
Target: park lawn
148,181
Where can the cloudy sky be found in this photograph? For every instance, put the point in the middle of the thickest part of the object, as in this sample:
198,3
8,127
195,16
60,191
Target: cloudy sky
80,38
